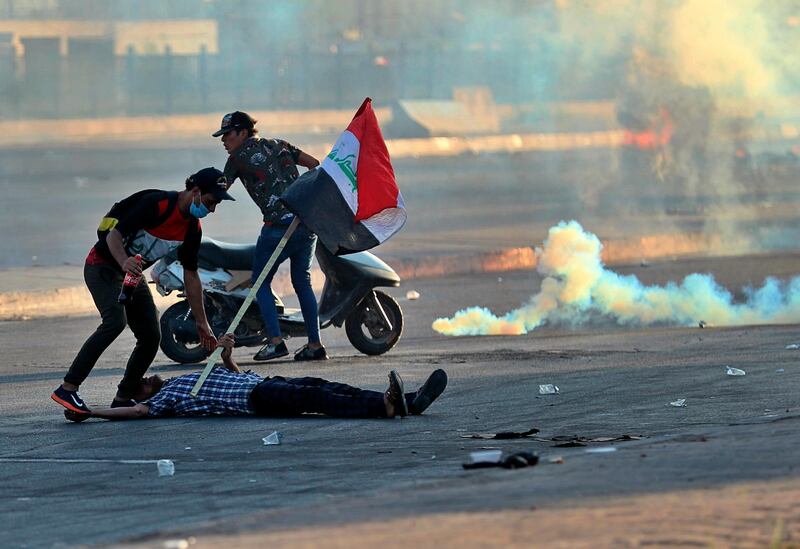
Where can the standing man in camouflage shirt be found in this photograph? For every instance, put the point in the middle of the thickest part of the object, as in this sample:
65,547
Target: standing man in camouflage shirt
266,168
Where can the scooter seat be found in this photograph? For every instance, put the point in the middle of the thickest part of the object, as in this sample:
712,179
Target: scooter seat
215,254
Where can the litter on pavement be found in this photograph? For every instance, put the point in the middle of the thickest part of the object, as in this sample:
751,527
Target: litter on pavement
503,435
166,468
514,461
486,456
601,450
575,441
275,437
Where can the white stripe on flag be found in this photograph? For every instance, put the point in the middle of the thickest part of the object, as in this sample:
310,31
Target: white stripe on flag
342,165
384,224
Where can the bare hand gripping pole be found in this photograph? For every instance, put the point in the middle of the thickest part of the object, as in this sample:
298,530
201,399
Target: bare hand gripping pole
215,356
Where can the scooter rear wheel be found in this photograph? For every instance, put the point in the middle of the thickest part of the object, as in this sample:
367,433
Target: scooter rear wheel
179,339
366,330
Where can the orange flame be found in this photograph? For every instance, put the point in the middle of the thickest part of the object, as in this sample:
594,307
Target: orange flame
652,137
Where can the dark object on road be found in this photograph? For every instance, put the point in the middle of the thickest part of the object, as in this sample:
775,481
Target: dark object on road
514,461
503,436
572,441
570,444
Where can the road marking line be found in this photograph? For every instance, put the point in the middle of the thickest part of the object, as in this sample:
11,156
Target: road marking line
86,460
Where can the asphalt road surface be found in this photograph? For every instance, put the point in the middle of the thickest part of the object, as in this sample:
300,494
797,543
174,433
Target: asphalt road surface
338,481
54,199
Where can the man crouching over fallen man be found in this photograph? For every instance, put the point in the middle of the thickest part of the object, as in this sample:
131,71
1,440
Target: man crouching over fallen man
230,392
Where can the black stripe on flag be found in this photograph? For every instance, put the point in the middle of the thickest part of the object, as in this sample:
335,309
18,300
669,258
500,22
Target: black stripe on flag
316,200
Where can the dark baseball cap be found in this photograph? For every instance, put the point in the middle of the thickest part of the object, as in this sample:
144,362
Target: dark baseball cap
210,180
235,121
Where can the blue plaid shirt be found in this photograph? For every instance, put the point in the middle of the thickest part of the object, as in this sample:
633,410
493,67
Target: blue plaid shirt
224,393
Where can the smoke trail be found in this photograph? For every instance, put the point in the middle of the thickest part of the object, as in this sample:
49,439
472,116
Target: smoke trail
577,285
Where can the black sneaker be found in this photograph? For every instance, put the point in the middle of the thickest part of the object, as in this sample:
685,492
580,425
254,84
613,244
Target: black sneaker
272,350
123,403
70,400
311,354
430,391
395,394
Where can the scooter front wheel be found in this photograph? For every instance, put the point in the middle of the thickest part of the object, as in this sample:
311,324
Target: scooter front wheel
179,339
367,330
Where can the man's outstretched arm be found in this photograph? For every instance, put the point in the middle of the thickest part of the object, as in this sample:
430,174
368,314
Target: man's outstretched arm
131,412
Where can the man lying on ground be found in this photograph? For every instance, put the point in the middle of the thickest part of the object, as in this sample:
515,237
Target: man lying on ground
230,392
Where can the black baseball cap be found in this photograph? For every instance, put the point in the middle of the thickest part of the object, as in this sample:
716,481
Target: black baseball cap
235,121
210,180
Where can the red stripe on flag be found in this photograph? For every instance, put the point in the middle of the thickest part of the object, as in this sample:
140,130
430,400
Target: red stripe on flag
377,188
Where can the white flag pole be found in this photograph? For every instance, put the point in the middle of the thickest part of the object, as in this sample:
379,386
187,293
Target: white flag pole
215,356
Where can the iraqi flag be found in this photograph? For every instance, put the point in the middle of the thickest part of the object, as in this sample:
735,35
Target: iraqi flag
351,201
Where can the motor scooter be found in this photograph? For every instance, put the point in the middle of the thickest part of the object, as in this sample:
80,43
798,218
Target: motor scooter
372,319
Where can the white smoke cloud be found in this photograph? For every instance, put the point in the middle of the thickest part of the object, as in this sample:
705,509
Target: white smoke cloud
722,45
577,286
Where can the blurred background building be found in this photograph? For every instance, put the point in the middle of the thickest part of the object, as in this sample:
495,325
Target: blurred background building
97,58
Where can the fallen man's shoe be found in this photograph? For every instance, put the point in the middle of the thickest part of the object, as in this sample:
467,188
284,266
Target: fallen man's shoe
514,461
75,416
430,391
395,394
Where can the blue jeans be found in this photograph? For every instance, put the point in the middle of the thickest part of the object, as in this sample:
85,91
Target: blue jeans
299,250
